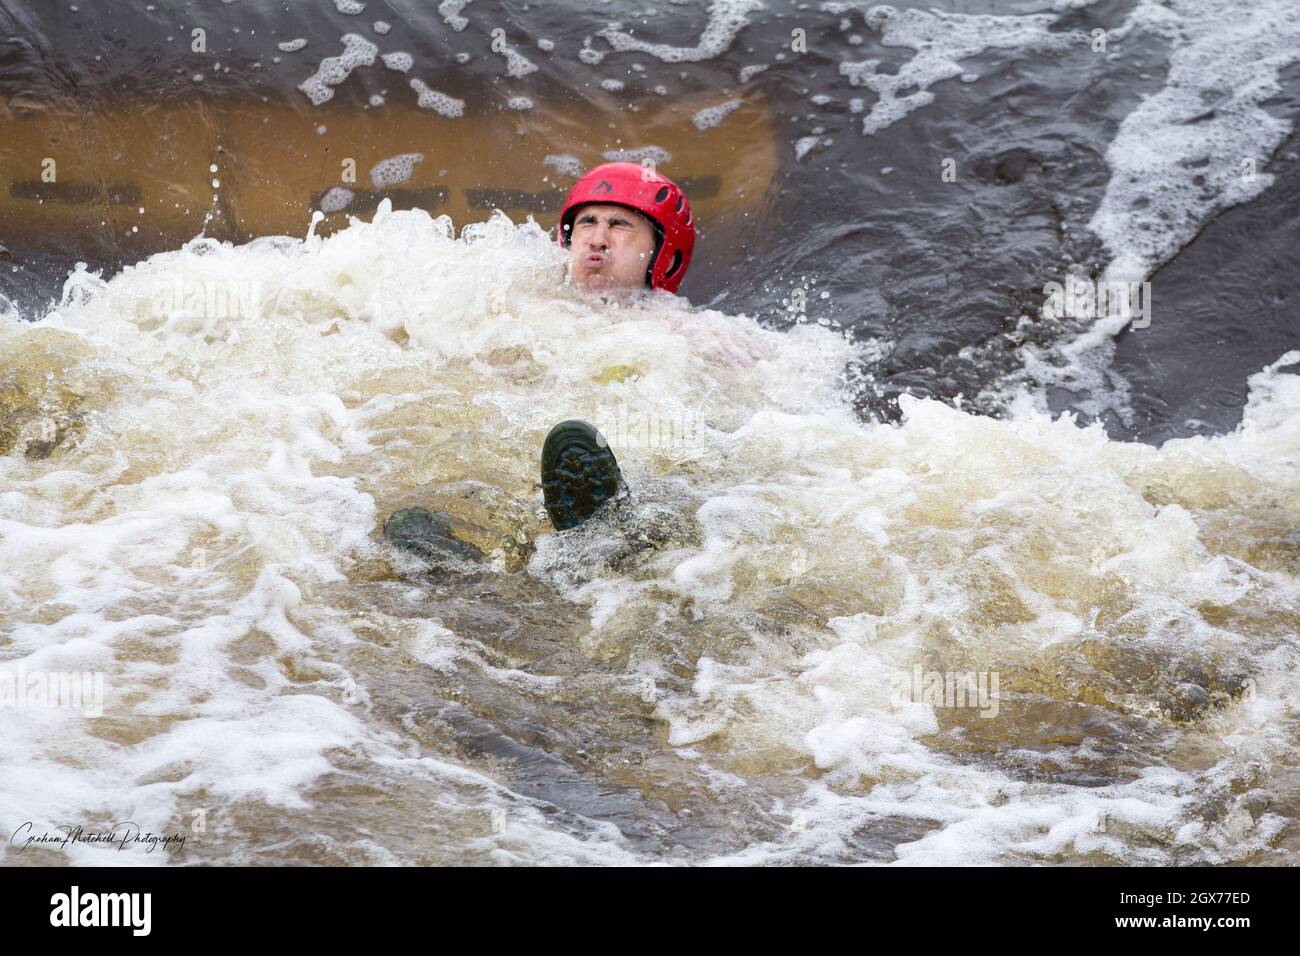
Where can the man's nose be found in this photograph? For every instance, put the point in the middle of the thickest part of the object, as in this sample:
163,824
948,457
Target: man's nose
598,236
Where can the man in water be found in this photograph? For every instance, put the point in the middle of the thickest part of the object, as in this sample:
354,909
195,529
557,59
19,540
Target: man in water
628,229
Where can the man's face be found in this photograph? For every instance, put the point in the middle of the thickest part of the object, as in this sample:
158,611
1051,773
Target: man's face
610,247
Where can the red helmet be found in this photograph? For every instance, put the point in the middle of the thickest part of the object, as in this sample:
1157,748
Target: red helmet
653,195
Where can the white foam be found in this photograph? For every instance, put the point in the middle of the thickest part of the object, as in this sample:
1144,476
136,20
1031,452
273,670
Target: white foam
292,46
940,41
712,116
589,54
1224,63
394,170
564,164
401,62
1179,157
450,11
381,27
333,70
726,19
805,145
655,154
440,103
519,103
350,8
838,708
518,65
336,199
274,438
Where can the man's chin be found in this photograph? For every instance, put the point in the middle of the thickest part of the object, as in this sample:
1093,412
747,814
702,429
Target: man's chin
603,285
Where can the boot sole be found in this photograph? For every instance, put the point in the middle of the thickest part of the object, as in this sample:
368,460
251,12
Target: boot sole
579,473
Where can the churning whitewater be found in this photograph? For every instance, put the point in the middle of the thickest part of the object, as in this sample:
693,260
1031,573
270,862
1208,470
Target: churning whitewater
201,450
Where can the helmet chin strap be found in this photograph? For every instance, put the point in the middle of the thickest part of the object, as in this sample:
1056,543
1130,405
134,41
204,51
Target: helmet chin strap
654,256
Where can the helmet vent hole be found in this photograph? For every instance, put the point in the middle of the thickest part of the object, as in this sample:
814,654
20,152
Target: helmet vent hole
689,217
680,200
674,265
662,194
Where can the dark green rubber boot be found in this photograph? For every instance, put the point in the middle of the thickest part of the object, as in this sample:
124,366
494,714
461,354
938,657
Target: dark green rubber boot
428,534
579,473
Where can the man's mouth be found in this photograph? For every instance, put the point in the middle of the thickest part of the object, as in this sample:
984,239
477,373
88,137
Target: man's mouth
595,260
